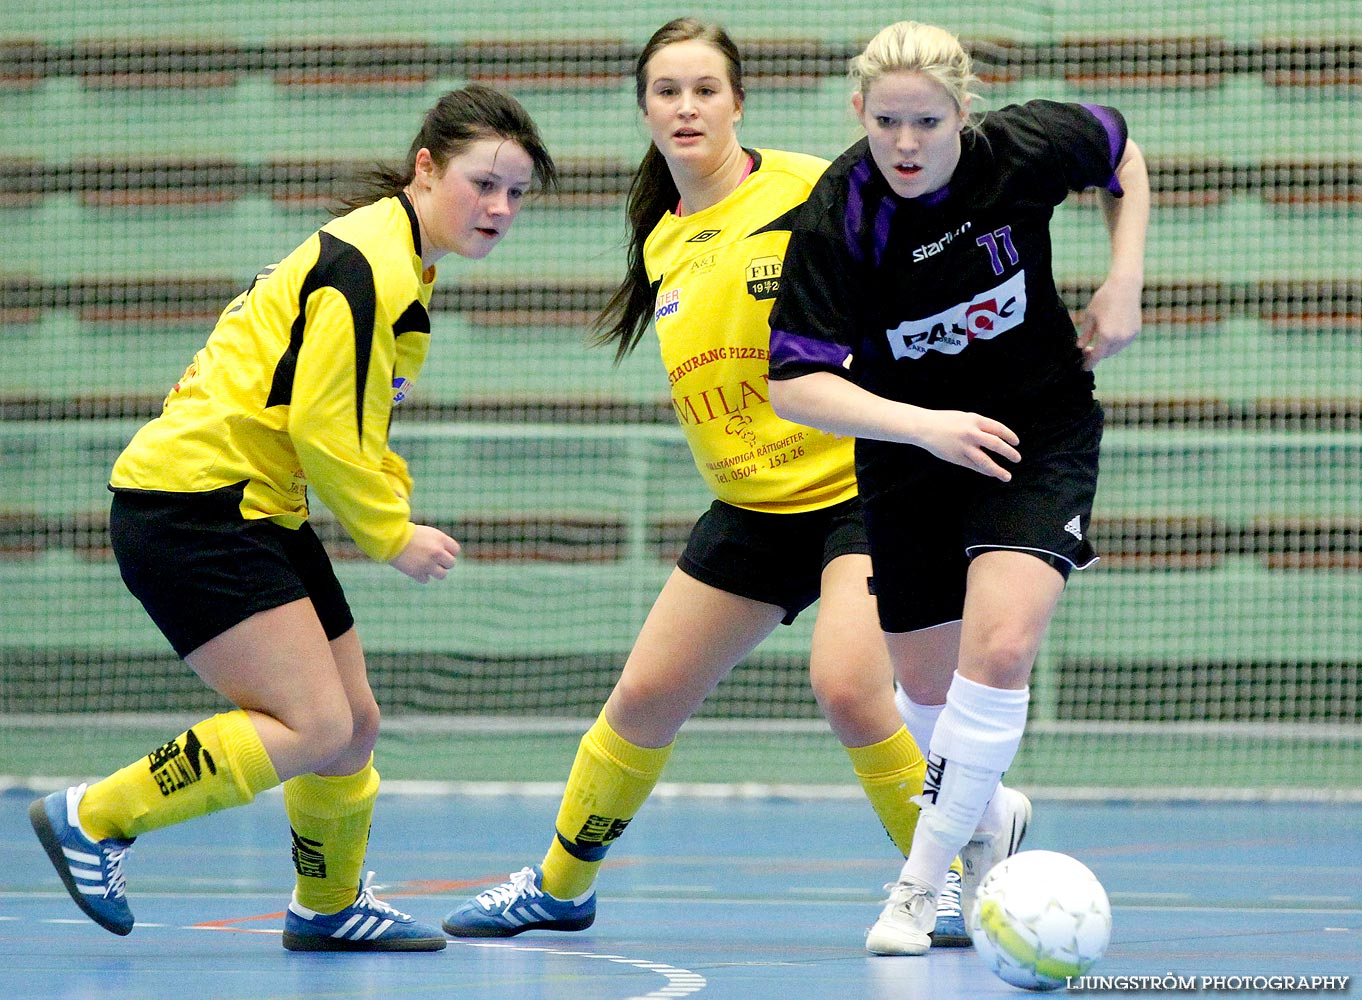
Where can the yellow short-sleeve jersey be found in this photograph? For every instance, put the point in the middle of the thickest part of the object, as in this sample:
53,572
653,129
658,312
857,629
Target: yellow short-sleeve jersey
296,384
716,273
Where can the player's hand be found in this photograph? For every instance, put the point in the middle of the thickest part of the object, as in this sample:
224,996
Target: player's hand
1110,322
967,439
428,556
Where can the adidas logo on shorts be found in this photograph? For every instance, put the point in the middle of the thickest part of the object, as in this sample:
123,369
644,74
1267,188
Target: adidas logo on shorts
1073,528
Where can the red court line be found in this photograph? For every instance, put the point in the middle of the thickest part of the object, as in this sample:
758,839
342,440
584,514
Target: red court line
226,924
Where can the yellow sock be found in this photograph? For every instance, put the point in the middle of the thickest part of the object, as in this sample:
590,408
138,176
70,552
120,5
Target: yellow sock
610,779
891,773
218,763
330,818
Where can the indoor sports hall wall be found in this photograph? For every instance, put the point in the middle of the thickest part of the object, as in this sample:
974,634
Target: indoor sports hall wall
153,155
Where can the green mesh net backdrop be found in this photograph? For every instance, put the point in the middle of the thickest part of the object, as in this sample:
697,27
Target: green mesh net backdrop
154,155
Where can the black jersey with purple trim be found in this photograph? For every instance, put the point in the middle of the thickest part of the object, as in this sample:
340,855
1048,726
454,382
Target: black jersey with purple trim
949,300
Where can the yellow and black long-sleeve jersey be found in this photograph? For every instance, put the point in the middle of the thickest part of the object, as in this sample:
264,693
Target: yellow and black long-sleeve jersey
296,384
716,274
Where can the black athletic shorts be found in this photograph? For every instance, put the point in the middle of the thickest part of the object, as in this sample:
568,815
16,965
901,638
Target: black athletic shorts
774,558
927,518
199,568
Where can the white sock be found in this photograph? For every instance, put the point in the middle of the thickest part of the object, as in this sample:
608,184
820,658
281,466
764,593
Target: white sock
993,818
974,743
920,719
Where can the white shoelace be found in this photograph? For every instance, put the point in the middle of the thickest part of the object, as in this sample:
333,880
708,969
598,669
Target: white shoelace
368,900
521,885
117,883
948,903
903,893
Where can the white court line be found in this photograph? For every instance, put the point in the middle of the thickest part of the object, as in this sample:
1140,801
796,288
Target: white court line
90,923
680,982
1311,900
758,791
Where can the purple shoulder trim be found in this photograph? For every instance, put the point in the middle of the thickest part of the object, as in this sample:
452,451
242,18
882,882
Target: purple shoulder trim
854,220
1104,116
789,347
855,213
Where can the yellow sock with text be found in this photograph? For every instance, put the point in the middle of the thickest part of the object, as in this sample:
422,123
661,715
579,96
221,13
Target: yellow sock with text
610,779
891,772
216,764
329,818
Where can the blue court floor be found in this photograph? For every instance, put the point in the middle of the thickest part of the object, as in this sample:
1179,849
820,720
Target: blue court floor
704,897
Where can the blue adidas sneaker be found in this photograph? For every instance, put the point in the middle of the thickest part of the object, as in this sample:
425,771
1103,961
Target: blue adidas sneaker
367,924
518,905
950,929
91,870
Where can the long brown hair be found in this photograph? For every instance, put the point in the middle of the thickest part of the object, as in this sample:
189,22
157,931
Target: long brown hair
653,192
459,119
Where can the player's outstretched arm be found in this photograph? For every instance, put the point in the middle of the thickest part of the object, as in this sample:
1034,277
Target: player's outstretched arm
428,556
831,403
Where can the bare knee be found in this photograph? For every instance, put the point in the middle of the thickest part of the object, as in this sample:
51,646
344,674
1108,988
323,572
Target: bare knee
364,731
322,729
842,699
646,713
356,742
1001,657
859,711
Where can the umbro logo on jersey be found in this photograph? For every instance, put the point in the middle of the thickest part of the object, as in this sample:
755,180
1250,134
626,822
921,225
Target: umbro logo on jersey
1073,528
704,236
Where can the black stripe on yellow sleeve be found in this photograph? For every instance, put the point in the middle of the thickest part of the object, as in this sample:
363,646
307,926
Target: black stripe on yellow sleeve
783,223
414,319
344,268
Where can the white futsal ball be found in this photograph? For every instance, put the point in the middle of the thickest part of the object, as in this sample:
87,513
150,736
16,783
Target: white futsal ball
1039,919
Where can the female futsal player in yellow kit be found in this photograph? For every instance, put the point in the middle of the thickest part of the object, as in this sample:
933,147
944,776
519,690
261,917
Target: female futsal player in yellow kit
294,390
709,221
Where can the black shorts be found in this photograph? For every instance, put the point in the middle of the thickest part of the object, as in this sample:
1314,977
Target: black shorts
774,558
927,518
199,568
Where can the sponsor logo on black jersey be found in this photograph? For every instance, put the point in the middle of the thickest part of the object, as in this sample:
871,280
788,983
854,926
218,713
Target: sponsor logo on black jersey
763,277
936,246
704,236
950,331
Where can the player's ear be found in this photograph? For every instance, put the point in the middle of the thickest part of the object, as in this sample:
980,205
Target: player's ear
858,103
425,164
